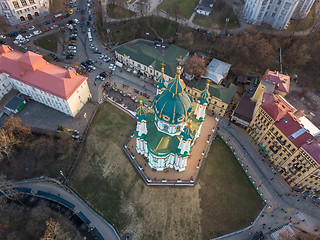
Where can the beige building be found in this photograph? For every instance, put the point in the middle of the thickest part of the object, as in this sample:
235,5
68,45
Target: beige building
62,89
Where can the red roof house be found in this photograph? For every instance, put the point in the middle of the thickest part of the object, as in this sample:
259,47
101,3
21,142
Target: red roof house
281,81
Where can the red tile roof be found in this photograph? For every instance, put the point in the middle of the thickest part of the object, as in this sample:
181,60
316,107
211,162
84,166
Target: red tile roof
290,126
281,81
313,148
275,105
31,69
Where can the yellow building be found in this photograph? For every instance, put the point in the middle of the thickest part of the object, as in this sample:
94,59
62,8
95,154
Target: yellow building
220,96
289,140
302,170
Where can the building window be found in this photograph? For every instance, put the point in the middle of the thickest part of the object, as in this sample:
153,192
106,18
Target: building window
15,4
31,1
24,3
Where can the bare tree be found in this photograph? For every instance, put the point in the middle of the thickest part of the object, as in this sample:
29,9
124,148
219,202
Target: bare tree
195,66
13,134
6,189
54,231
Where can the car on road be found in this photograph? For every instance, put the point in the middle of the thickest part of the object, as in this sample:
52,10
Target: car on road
83,65
81,24
46,29
101,56
71,12
73,35
82,19
72,38
54,20
54,26
72,41
36,32
90,18
72,44
83,30
69,56
31,28
72,47
22,31
76,21
112,67
89,62
89,29
47,22
88,23
3,36
3,42
89,11
30,35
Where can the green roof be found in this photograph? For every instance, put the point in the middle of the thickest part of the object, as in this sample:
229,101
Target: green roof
223,93
161,143
147,54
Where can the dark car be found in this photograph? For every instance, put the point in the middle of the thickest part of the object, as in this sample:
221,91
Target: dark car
47,22
70,21
83,64
22,31
89,62
69,56
72,38
88,23
13,34
59,59
47,29
81,24
83,30
72,44
90,18
3,42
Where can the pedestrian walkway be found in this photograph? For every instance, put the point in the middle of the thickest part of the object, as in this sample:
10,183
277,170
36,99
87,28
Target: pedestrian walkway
52,189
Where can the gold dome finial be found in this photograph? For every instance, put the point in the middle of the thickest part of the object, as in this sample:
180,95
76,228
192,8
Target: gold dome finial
140,101
179,65
162,67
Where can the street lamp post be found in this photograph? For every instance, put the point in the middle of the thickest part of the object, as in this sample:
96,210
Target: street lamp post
61,173
225,26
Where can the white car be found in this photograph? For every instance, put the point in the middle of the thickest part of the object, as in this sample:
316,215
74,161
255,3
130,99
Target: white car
101,56
72,47
2,36
30,35
31,28
53,27
76,21
36,32
89,29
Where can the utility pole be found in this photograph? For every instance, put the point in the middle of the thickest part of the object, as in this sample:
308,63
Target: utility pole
63,176
280,62
225,26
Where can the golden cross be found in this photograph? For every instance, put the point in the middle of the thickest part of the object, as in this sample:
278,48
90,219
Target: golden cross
162,64
180,60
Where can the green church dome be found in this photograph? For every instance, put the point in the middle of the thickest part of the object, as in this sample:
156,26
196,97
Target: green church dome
173,105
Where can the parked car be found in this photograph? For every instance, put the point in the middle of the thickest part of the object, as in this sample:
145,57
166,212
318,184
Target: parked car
54,20
30,35
89,62
72,41
47,29
36,32
83,30
89,29
76,20
72,47
69,56
13,34
90,18
88,23
72,38
107,59
73,35
31,28
22,31
3,42
54,26
47,22
101,56
3,36
72,44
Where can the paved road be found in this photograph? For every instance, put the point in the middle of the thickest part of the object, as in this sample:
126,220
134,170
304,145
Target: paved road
286,206
54,187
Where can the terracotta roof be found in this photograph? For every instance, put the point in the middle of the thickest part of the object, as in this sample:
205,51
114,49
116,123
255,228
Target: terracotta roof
313,148
31,69
290,126
275,105
281,81
4,49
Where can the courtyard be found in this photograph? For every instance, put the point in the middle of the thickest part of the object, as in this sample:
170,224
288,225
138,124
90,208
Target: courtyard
223,199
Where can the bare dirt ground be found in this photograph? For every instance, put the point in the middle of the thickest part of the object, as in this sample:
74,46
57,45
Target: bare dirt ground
305,99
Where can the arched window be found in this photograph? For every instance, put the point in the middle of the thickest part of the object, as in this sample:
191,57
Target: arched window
166,127
22,18
29,16
36,14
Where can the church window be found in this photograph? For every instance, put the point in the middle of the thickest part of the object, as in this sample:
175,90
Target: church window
178,128
15,4
4,5
166,118
180,119
166,127
23,2
31,1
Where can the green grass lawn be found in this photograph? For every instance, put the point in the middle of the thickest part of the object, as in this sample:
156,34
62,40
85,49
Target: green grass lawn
117,12
303,24
48,42
183,8
217,19
222,201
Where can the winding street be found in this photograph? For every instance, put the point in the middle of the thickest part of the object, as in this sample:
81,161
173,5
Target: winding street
53,190
285,205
